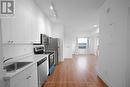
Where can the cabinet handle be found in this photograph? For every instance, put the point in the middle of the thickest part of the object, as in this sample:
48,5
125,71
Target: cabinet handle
28,77
10,42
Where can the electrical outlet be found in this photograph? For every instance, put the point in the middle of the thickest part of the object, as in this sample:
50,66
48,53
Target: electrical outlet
108,10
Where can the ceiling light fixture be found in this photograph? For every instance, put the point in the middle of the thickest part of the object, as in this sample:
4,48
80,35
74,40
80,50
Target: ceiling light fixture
52,11
95,25
51,7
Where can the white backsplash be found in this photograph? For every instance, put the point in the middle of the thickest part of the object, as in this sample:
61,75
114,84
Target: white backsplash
14,51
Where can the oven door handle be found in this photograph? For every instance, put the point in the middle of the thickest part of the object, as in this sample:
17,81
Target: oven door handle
41,61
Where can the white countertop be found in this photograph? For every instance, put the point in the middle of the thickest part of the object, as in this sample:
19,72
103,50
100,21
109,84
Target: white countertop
32,58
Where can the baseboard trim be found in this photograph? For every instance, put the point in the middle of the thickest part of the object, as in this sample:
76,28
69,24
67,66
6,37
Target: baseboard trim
102,80
68,58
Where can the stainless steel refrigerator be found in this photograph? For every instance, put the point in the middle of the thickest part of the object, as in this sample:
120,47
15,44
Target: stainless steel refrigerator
54,46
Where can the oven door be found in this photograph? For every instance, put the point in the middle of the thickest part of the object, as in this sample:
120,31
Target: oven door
51,60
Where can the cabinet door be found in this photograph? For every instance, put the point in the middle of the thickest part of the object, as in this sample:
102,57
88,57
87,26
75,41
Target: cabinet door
27,78
20,80
19,24
6,30
35,34
27,30
33,80
17,28
12,30
18,31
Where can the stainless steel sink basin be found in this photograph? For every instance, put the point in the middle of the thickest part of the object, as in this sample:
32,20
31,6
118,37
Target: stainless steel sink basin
15,66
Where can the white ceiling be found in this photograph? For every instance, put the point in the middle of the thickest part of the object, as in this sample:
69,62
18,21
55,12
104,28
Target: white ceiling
78,15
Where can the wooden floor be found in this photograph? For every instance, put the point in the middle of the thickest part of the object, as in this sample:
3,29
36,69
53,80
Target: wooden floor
76,72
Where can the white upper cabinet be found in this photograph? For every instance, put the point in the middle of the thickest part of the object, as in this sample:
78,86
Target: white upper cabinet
17,29
35,34
6,30
26,25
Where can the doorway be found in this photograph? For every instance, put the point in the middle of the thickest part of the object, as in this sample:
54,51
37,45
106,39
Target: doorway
82,45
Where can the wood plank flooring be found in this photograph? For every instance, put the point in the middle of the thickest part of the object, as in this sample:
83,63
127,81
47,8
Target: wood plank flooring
76,72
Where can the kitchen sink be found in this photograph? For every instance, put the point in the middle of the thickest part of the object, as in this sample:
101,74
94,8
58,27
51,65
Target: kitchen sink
15,66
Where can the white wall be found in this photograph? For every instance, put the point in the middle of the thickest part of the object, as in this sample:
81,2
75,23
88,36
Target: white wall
57,30
37,22
1,60
113,43
128,50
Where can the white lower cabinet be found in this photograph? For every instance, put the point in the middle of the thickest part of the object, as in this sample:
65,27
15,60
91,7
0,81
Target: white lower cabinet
26,78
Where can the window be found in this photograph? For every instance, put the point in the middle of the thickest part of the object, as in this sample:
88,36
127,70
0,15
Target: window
82,43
